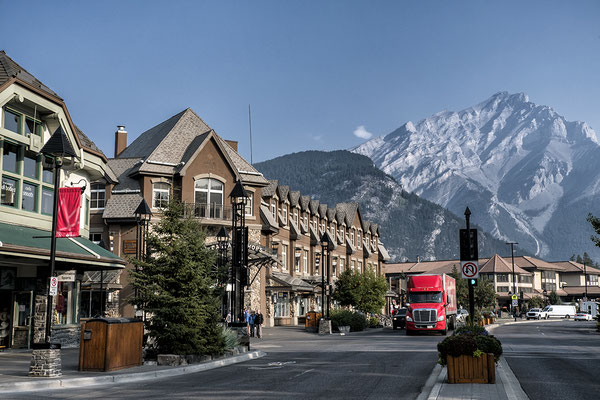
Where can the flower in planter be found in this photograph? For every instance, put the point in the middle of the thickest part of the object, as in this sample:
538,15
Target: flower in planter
469,340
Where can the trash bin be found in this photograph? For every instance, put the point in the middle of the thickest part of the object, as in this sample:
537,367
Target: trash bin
108,344
312,321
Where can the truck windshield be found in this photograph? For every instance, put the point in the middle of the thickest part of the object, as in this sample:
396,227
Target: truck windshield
426,297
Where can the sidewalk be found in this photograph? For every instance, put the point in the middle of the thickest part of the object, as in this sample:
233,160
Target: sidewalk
507,386
14,367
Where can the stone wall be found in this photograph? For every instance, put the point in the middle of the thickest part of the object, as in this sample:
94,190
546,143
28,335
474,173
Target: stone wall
67,335
39,319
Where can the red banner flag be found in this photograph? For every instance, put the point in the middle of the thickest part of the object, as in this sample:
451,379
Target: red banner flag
69,204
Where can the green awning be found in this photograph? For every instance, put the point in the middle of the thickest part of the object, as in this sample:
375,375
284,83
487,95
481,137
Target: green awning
77,253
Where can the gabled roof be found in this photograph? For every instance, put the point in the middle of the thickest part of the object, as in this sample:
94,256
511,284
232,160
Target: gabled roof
366,225
123,167
269,190
350,209
323,210
314,207
535,263
121,206
10,69
283,191
331,214
572,266
304,203
497,265
374,228
383,253
268,222
294,198
340,216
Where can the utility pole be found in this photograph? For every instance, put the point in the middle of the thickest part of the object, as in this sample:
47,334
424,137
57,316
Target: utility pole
512,255
585,281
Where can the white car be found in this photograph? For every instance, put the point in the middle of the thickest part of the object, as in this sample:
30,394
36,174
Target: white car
461,315
583,316
537,313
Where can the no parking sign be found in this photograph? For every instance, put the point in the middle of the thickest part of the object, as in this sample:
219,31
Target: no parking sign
53,285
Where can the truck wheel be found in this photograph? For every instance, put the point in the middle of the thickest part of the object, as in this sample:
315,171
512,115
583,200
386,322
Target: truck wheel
537,317
394,327
409,332
567,316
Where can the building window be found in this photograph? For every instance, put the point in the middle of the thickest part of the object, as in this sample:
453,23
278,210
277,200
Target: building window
96,238
160,195
317,263
208,197
305,262
250,204
282,305
296,217
360,268
12,120
10,156
284,252
284,215
305,222
31,165
501,277
548,275
64,314
90,305
274,210
47,201
98,196
9,192
29,197
352,238
502,289
341,265
352,265
297,261
358,240
593,279
548,287
334,267
33,126
525,279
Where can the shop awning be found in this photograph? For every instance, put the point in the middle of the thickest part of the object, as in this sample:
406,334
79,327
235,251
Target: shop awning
292,283
18,243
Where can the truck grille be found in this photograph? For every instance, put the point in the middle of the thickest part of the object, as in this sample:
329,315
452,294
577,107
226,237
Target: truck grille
425,316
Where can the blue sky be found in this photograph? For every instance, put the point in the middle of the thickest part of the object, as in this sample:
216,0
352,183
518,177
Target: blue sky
314,72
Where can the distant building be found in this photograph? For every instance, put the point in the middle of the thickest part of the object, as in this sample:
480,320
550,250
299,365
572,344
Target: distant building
534,277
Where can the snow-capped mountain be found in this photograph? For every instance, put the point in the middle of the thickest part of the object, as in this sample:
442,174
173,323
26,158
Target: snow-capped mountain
526,173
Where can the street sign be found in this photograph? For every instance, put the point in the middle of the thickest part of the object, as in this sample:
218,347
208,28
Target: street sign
515,302
53,286
470,269
514,297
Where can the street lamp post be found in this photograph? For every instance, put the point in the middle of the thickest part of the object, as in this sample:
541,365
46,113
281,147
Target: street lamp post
239,248
585,280
512,255
325,256
222,243
143,215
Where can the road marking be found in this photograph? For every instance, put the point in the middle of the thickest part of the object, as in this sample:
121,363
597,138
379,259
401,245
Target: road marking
302,373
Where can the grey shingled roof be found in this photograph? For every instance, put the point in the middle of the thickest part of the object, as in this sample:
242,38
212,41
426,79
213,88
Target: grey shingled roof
247,172
323,210
304,203
283,192
314,206
350,210
340,216
123,167
10,69
331,214
269,190
366,225
121,206
294,198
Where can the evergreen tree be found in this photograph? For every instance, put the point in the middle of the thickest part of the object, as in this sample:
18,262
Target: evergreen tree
553,298
572,258
176,287
595,221
579,259
587,260
346,288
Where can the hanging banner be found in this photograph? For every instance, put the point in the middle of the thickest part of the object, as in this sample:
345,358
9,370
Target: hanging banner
69,204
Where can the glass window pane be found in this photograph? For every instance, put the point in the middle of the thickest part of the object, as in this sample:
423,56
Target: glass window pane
202,183
8,196
30,165
9,157
215,185
28,197
201,197
48,174
11,121
216,198
47,201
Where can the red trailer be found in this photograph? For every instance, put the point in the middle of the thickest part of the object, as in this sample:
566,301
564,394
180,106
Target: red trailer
431,303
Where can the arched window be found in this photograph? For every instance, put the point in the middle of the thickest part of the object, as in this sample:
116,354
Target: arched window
160,194
209,198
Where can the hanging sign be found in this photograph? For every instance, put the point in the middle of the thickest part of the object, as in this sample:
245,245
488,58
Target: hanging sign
54,286
69,205
129,246
67,276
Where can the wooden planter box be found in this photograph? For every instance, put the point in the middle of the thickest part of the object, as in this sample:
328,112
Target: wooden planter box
469,369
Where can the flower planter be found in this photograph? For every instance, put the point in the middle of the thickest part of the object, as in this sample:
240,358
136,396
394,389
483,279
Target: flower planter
469,369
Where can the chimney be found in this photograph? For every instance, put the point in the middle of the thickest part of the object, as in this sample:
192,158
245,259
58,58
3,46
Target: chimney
233,144
418,259
120,140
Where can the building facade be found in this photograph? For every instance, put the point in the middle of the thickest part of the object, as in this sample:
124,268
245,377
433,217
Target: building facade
30,114
184,158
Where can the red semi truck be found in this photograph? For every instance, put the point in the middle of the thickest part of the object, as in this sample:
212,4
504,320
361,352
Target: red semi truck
431,303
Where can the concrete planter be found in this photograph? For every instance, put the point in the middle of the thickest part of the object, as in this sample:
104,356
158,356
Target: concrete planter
469,369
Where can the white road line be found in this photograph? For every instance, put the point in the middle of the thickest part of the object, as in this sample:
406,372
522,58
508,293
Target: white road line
302,373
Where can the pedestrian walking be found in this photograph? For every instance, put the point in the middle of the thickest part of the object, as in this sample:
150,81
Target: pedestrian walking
251,323
246,316
258,321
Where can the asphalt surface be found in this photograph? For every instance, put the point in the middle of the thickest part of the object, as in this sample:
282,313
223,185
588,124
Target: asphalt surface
557,360
376,364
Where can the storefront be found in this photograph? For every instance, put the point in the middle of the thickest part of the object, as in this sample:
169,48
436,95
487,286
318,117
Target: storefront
24,279
290,299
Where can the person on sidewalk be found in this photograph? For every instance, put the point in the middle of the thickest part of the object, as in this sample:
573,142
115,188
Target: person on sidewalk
258,321
251,319
246,316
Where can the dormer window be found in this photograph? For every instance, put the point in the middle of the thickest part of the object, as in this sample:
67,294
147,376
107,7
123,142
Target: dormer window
160,195
97,196
13,121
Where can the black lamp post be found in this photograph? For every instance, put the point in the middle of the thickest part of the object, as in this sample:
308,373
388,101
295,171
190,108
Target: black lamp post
57,148
143,215
512,254
585,281
326,245
239,248
222,243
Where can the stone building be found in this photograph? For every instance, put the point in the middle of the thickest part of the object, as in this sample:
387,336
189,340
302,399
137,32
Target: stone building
30,113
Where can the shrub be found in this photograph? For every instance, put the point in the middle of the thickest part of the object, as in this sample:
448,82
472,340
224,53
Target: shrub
356,321
471,329
230,338
373,322
468,344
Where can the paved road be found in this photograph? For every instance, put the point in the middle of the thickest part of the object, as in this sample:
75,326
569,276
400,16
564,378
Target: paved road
558,360
376,364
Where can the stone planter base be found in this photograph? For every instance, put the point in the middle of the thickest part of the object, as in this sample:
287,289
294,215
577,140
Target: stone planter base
469,369
46,362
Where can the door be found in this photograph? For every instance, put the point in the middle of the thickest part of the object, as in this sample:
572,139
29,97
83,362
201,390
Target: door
22,319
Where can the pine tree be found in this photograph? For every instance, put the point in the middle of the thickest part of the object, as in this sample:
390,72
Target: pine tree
579,259
176,287
595,221
587,260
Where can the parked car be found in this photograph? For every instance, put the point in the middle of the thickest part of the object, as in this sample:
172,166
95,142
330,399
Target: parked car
461,315
583,316
536,313
399,318
560,311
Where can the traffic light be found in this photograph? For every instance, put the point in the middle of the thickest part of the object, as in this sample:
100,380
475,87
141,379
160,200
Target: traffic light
473,282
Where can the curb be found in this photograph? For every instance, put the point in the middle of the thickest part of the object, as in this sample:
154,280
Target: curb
433,385
25,386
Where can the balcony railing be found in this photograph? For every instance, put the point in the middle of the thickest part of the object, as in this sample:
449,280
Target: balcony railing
210,211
